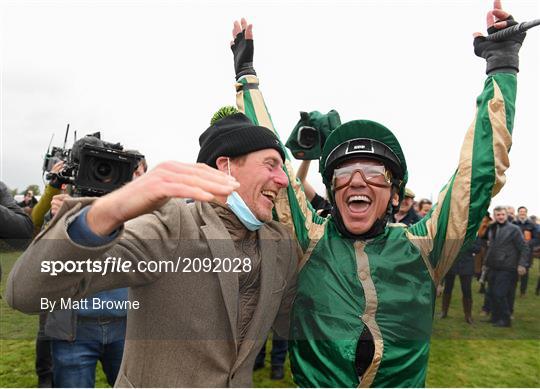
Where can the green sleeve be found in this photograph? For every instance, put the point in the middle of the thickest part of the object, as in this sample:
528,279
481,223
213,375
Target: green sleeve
43,206
291,206
454,221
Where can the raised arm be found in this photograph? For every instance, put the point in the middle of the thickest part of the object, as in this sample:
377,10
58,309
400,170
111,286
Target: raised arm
44,204
292,207
463,201
302,176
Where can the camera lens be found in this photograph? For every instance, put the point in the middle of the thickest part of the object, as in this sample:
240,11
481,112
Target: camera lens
307,137
103,171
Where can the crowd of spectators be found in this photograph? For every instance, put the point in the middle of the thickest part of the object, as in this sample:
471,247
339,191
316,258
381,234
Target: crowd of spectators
499,258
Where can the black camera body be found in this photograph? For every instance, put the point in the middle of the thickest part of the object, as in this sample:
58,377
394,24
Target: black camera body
102,170
56,155
94,167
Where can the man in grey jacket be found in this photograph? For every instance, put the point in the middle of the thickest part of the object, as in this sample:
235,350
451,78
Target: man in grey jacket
506,257
201,321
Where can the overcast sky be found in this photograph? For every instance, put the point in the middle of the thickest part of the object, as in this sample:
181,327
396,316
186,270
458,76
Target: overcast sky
151,74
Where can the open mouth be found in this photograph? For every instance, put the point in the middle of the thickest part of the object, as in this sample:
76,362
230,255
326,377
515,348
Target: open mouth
270,195
358,203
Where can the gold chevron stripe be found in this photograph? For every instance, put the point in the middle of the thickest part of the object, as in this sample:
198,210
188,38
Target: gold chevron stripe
370,311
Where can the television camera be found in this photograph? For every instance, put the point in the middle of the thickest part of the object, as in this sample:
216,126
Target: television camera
92,166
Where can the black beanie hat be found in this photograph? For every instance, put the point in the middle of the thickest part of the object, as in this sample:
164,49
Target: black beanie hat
233,136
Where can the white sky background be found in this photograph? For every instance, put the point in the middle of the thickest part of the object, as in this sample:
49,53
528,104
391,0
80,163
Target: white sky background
151,74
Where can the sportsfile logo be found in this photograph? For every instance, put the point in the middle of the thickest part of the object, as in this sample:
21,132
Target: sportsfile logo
119,265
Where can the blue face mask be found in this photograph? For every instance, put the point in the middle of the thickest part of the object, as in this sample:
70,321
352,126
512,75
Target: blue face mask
241,210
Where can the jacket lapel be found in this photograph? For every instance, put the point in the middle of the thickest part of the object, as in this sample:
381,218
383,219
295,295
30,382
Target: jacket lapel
268,252
222,246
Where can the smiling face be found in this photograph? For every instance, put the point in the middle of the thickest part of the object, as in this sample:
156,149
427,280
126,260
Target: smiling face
522,213
261,176
360,203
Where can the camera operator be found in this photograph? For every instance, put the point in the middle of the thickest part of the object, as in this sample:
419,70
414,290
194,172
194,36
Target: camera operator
77,335
142,165
39,214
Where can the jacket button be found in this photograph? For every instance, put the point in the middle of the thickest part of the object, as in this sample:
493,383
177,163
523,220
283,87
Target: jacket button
363,275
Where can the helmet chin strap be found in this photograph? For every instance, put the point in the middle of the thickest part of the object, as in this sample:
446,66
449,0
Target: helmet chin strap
376,229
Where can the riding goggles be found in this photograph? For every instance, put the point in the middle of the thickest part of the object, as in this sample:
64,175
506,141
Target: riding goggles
375,175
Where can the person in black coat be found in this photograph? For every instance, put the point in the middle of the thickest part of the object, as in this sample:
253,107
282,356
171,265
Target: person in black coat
464,268
507,256
406,214
528,229
16,227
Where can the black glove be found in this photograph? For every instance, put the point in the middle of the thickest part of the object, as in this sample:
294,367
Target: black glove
55,181
502,55
243,55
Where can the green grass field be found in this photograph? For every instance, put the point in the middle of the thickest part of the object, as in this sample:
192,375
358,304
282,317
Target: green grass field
461,355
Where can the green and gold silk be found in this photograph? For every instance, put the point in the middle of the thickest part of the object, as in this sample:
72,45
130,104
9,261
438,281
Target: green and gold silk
386,284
